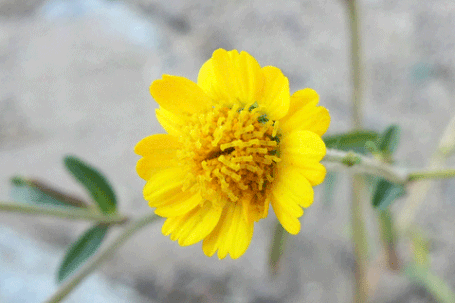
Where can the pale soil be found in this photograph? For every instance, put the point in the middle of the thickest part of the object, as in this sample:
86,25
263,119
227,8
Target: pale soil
75,78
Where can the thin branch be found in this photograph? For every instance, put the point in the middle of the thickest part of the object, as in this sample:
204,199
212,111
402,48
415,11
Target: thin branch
337,160
70,213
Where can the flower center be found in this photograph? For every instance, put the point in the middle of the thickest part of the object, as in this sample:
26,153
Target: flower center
231,153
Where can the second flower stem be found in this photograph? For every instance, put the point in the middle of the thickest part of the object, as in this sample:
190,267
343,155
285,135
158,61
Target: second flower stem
99,258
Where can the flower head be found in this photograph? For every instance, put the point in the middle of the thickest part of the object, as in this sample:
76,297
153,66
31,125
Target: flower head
237,142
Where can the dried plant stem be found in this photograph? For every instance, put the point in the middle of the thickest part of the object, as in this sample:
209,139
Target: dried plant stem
99,258
357,220
360,240
356,63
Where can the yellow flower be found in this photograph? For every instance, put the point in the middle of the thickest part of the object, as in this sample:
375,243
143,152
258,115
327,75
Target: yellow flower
237,141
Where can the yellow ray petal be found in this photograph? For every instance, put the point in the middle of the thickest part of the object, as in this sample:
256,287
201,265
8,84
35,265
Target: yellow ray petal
292,188
232,235
170,122
289,222
147,166
290,191
304,149
163,185
302,143
230,77
159,152
305,115
275,97
179,204
193,226
179,95
149,145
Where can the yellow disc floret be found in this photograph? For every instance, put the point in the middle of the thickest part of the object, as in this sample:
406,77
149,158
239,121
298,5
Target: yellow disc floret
231,153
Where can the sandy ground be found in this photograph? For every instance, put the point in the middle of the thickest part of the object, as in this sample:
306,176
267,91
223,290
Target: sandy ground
74,80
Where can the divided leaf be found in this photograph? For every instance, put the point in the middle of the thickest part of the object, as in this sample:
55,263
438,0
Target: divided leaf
388,142
95,183
36,192
386,192
81,250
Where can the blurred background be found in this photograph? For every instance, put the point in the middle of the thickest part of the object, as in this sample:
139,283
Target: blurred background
74,79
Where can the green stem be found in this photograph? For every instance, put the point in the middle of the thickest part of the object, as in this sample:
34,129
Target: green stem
70,214
358,163
99,258
356,63
358,224
276,251
436,174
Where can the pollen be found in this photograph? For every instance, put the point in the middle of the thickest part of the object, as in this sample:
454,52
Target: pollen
231,153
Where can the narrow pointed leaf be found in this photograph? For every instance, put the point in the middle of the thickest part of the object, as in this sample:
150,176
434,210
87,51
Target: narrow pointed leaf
354,141
386,192
388,141
36,192
81,250
94,182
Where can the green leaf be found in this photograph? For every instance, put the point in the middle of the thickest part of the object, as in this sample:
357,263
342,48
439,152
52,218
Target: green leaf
438,287
386,192
81,250
354,141
95,183
388,142
36,192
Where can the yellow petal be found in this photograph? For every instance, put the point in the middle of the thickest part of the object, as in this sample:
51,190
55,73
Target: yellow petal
230,77
180,204
149,145
147,166
163,185
289,222
170,122
159,151
179,95
305,115
304,149
232,235
194,225
290,191
289,186
276,93
302,143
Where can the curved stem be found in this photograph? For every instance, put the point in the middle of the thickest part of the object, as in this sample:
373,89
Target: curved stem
99,258
363,164
337,159
69,213
436,174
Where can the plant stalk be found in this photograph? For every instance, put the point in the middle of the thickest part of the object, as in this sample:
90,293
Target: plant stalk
64,213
